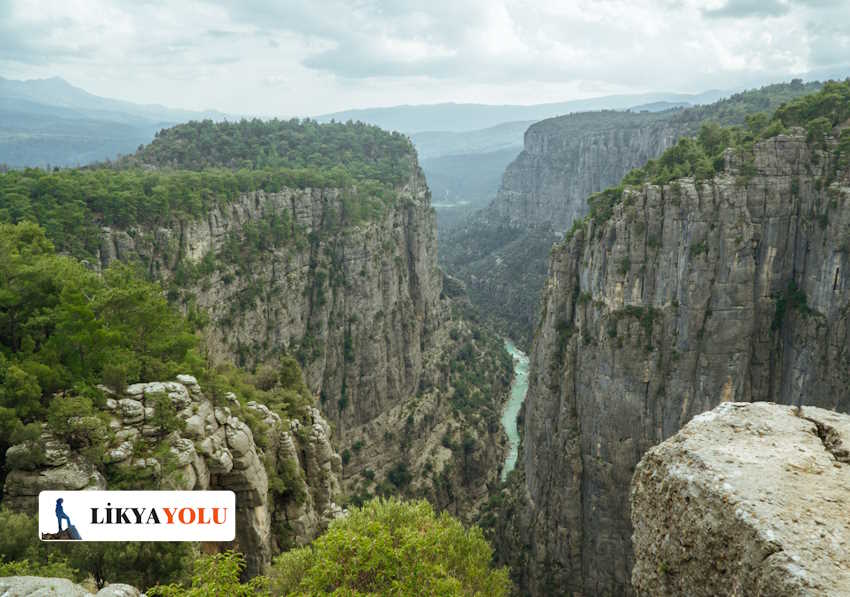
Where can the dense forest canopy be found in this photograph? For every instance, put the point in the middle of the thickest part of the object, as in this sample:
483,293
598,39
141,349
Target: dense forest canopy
735,108
363,151
194,167
702,157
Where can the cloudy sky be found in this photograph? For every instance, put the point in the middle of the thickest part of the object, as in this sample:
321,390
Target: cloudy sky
289,57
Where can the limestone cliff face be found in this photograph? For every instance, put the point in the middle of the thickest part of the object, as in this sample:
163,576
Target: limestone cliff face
564,161
362,308
358,303
211,448
747,499
691,294
501,252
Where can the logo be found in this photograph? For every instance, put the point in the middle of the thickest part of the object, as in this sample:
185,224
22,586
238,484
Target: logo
137,515
70,533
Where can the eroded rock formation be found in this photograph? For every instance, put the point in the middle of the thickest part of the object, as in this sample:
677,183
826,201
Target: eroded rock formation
37,586
747,499
211,447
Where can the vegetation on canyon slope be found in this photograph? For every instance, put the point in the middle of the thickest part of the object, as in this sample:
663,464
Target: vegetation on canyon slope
387,547
192,168
702,157
65,329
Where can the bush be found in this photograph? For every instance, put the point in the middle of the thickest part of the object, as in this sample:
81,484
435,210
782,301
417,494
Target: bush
390,547
216,575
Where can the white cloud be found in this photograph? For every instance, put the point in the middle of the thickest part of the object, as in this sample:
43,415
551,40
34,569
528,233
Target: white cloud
289,57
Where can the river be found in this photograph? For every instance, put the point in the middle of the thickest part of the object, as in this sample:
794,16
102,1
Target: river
519,387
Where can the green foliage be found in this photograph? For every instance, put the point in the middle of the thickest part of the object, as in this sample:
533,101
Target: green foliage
164,414
701,157
355,150
817,111
399,475
215,575
202,165
139,564
63,327
700,248
390,547
791,298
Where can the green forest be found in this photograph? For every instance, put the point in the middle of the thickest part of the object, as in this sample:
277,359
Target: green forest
701,157
168,180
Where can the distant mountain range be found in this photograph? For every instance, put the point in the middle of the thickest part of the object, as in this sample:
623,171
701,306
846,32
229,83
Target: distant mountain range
49,122
452,117
463,148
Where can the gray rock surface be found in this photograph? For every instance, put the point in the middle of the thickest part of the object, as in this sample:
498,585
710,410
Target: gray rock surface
360,306
218,453
746,499
691,294
36,586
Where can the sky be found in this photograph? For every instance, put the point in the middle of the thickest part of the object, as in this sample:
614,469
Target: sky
296,58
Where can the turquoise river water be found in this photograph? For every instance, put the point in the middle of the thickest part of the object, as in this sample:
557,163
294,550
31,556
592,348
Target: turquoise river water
519,387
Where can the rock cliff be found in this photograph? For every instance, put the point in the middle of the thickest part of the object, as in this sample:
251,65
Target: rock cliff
747,499
207,445
501,252
689,294
362,307
358,304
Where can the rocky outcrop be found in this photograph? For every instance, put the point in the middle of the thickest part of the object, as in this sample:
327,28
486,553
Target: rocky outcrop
37,586
567,159
747,499
207,445
691,294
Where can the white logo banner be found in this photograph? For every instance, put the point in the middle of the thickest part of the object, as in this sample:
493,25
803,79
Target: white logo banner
137,515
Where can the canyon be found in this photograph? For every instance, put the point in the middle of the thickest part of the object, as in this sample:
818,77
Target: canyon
501,251
682,296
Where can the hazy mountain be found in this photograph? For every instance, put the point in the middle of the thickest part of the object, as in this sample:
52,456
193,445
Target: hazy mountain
470,117
56,91
659,106
50,122
431,144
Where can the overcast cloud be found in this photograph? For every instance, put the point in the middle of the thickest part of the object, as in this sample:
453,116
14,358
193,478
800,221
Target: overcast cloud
295,58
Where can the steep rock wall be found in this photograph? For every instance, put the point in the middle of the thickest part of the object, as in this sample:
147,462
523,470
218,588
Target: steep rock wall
357,303
501,251
734,289
561,165
360,305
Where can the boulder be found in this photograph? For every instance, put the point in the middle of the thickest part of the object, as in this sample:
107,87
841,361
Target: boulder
132,411
187,380
119,454
746,499
35,586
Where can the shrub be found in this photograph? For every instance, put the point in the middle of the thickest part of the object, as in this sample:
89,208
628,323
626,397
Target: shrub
390,547
216,574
